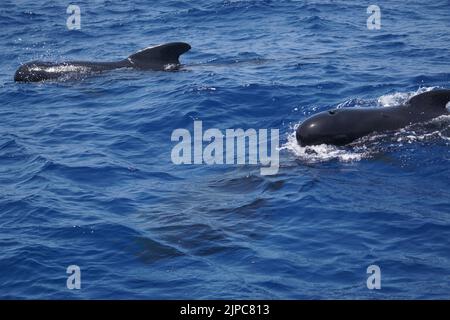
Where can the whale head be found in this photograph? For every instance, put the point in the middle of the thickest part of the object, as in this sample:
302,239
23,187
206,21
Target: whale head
39,71
331,127
30,71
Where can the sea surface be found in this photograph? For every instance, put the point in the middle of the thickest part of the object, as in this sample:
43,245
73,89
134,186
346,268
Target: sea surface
87,179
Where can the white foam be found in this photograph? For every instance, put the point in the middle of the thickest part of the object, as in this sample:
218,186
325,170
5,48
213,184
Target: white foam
409,136
170,66
323,152
442,119
394,99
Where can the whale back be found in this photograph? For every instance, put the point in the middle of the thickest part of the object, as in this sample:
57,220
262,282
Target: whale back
159,57
435,100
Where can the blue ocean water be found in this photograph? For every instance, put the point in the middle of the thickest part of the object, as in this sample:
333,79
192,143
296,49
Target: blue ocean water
86,175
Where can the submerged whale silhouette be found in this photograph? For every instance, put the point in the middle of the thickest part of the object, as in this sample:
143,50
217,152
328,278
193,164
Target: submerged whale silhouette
159,58
342,126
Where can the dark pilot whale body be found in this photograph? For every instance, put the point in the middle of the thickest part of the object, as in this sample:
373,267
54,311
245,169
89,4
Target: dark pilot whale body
342,126
159,58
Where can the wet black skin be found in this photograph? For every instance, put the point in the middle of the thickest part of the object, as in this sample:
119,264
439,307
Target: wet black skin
343,126
35,71
154,58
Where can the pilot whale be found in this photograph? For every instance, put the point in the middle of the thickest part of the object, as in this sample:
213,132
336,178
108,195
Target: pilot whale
164,57
343,126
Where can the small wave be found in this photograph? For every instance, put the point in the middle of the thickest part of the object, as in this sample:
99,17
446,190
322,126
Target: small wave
239,60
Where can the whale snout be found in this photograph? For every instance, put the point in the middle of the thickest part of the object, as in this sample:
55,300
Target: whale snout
21,73
321,128
311,131
28,73
306,133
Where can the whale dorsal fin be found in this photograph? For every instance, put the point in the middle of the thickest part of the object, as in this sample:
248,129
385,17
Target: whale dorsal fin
158,56
437,99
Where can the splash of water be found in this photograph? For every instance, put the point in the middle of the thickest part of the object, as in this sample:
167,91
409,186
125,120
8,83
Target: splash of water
323,152
397,98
